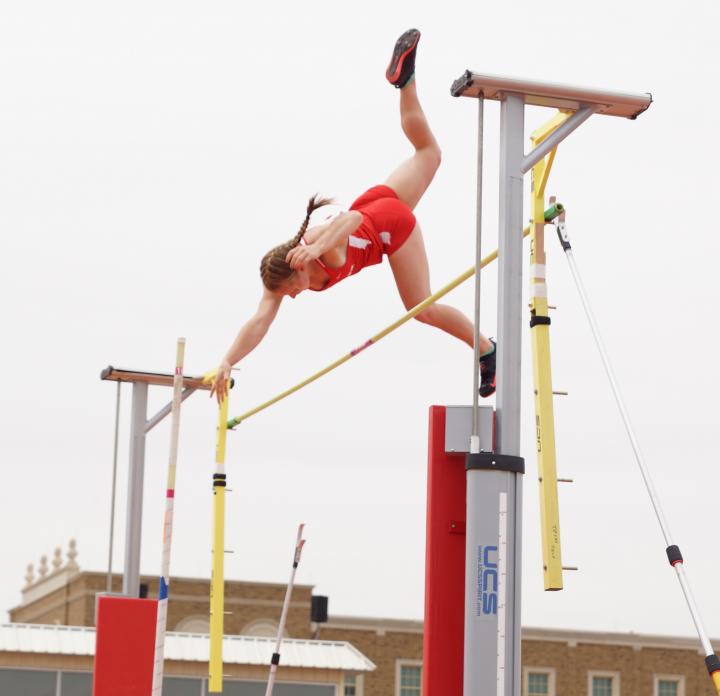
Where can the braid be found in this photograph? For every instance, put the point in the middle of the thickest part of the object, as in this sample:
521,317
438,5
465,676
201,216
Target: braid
274,270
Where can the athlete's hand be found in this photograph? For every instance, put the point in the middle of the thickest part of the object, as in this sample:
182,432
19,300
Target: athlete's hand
220,383
301,255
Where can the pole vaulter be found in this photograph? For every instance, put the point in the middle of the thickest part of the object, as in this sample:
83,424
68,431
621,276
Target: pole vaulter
550,214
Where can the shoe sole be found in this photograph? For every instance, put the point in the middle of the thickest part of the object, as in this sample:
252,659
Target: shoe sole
485,393
403,46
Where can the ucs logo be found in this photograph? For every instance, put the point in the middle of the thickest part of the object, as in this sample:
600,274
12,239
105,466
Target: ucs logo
487,581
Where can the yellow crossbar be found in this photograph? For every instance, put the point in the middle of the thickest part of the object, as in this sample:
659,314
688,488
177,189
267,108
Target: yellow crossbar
405,318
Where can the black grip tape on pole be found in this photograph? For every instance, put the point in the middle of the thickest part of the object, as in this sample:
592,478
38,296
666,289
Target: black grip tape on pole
219,480
712,662
542,321
565,243
674,555
275,659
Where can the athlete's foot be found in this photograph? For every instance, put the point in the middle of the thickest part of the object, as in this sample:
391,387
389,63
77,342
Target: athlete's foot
487,372
402,64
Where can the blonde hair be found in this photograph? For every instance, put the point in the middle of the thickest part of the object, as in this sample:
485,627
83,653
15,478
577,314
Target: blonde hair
274,270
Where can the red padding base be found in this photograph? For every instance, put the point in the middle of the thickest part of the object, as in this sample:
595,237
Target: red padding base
443,643
124,646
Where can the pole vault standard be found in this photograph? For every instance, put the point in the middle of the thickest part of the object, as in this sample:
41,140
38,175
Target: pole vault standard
672,550
140,427
494,480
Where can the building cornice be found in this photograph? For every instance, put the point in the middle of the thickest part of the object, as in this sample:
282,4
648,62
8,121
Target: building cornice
637,641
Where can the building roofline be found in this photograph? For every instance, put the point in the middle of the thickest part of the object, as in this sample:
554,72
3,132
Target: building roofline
190,647
563,635
628,639
371,623
185,578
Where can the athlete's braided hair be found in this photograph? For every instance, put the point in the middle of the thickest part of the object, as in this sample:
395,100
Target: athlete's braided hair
274,270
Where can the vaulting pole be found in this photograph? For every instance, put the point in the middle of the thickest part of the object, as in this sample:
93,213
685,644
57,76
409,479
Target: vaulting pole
674,556
275,661
164,589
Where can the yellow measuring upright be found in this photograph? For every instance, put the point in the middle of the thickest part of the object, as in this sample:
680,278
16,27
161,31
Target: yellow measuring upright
540,334
217,582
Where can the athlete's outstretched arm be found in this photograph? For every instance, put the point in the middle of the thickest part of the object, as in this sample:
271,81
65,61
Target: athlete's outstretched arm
332,237
251,333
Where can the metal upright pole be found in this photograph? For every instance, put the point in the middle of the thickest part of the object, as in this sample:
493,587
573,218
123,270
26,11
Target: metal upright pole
494,481
510,275
510,314
136,474
108,586
474,439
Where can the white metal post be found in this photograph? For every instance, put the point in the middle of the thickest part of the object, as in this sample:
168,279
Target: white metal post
136,476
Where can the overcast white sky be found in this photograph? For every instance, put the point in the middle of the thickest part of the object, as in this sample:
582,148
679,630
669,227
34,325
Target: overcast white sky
152,152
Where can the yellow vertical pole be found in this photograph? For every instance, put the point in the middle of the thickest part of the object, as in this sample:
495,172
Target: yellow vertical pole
217,582
540,333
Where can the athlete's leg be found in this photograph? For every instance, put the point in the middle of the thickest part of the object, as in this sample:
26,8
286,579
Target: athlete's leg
411,179
412,276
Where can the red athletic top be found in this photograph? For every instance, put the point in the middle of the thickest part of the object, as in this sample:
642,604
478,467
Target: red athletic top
386,224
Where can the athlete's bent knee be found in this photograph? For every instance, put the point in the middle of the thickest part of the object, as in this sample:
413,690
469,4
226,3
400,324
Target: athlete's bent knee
428,316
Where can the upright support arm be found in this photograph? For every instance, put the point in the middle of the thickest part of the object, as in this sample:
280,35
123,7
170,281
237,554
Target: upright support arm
542,373
217,582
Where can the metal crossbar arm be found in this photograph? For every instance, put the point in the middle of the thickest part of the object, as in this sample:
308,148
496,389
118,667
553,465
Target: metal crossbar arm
550,214
563,97
163,379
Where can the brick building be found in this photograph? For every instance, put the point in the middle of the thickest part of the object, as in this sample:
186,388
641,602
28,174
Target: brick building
371,656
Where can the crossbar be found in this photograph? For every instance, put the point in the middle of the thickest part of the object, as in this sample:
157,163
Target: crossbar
563,97
550,214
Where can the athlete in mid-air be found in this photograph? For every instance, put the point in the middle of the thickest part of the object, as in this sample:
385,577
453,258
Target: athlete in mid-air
380,222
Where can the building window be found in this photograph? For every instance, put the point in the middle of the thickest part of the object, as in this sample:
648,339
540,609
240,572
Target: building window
352,685
28,682
76,684
538,681
409,678
669,685
604,684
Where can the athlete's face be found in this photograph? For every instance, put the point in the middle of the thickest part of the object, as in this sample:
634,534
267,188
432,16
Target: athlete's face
296,283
